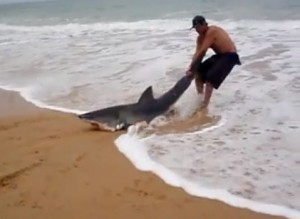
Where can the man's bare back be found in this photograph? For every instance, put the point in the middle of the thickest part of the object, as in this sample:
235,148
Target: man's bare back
222,42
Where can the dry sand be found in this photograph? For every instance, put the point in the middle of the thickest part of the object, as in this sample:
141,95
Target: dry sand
53,166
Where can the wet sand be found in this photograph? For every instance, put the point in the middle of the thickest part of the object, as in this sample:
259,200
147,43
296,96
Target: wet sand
54,166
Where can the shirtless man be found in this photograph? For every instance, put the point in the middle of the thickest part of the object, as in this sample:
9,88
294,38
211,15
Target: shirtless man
213,71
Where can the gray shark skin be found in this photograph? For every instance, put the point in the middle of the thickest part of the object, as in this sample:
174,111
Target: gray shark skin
120,117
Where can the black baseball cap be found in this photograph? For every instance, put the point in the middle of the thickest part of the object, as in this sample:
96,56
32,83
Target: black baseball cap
198,19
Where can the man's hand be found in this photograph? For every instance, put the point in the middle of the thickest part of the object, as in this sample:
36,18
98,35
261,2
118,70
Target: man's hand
189,71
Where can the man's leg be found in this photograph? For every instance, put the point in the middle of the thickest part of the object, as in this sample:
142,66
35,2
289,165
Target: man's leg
199,84
207,95
201,77
216,75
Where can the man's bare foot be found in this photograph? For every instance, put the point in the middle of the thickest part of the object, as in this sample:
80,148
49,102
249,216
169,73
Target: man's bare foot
203,106
201,112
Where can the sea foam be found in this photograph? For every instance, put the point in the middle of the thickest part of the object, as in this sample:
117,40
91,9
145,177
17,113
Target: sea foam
136,151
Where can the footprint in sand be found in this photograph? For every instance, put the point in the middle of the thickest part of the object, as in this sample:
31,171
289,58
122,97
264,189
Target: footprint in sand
78,159
136,182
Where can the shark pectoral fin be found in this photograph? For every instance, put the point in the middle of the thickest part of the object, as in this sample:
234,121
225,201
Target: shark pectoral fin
146,96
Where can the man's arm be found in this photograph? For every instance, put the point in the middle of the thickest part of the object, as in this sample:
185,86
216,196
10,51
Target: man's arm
202,48
197,49
198,46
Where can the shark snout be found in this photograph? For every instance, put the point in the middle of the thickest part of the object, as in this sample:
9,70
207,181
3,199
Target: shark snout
83,116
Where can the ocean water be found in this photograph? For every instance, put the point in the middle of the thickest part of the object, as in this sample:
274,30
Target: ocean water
78,56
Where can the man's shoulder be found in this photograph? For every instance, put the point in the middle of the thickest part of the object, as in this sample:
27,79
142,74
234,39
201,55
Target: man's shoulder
217,29
213,29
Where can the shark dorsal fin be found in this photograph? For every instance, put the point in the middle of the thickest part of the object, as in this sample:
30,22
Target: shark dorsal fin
147,95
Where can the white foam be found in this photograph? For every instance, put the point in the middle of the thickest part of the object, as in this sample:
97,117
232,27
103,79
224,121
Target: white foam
76,28
136,151
153,24
25,93
143,52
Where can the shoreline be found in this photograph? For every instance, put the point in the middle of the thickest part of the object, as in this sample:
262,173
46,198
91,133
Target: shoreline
53,165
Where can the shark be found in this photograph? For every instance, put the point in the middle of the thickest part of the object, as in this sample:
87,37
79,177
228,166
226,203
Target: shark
147,107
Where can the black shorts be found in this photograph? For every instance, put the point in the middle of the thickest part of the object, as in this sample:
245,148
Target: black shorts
216,68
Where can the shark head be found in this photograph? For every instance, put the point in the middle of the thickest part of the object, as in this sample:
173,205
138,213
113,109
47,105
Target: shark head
118,117
106,119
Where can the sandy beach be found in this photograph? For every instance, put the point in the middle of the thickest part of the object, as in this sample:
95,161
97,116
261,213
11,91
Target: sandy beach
54,166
